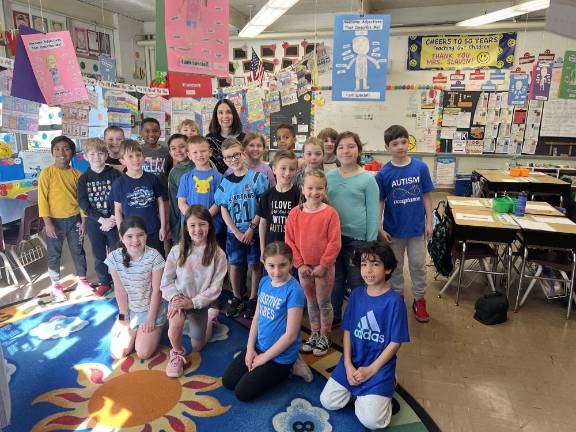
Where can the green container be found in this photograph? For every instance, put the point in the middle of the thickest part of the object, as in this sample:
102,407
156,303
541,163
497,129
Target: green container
504,204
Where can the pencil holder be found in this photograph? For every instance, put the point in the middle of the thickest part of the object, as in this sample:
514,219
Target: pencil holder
504,204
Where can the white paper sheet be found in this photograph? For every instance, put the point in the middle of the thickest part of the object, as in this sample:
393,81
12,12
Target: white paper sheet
554,220
473,217
535,226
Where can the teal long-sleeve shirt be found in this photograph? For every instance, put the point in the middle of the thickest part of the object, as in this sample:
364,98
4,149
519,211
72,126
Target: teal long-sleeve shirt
356,200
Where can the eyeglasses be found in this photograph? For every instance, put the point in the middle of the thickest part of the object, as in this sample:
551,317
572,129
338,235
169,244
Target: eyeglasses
232,157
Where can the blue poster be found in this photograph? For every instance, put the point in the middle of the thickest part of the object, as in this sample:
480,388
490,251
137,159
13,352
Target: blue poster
518,90
107,68
360,57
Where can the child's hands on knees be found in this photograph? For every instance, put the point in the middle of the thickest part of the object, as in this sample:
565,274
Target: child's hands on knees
319,271
249,358
363,374
350,371
304,271
148,325
259,360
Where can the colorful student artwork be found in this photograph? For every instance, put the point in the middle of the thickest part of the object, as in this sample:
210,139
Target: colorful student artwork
197,36
541,80
518,90
360,57
24,84
567,89
121,107
107,67
465,51
75,120
55,67
19,115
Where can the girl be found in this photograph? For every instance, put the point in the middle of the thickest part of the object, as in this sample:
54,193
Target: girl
354,194
314,219
136,270
272,347
189,128
254,145
313,150
328,137
193,277
225,123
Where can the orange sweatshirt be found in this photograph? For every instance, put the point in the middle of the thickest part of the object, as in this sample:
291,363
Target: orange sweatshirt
313,237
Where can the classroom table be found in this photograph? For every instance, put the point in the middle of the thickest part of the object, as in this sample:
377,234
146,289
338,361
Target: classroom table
12,210
473,203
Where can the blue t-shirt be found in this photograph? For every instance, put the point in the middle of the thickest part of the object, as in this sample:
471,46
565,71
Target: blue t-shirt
241,199
139,198
273,303
402,189
199,187
373,322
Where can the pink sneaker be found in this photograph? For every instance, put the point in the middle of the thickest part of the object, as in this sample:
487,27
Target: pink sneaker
84,288
57,292
175,366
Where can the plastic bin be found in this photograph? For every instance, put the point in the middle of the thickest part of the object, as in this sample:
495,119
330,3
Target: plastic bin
463,185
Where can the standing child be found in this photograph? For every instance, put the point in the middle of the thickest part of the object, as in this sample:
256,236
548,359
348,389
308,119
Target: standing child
138,193
405,188
189,128
274,338
94,197
113,137
58,207
136,270
313,157
254,145
314,219
328,137
285,137
192,280
178,153
154,153
375,326
238,196
354,194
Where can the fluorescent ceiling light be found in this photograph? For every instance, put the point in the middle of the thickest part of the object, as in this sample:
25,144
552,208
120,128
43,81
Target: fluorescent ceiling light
502,14
269,13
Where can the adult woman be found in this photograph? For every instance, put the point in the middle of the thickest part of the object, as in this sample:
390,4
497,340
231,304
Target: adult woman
225,123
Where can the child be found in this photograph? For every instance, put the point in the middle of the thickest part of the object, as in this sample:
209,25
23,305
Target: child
238,196
313,156
314,219
254,145
177,147
138,193
192,280
189,128
113,137
285,137
328,137
94,188
136,270
375,326
354,194
405,187
274,338
58,207
277,201
154,153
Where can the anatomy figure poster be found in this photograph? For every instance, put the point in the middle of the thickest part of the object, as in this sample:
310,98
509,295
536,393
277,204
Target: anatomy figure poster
360,57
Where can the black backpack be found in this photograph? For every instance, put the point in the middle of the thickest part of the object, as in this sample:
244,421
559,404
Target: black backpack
440,245
491,308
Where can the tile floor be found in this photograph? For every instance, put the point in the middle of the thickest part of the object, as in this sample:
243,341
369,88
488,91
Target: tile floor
517,376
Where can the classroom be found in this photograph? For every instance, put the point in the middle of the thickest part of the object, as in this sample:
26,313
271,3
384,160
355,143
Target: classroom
287,215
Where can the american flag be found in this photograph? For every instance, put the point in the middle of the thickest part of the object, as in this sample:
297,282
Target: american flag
256,67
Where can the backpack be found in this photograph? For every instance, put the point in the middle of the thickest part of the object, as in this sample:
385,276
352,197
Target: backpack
440,245
491,308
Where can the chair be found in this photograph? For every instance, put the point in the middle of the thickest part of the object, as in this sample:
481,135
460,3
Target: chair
7,265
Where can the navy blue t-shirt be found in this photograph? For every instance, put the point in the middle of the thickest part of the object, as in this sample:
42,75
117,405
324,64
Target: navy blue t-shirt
139,198
402,188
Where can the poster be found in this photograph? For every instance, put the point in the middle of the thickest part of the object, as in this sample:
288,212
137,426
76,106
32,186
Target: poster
75,120
360,57
55,67
444,171
197,36
288,87
19,115
541,80
518,90
254,97
567,88
465,51
107,68
189,85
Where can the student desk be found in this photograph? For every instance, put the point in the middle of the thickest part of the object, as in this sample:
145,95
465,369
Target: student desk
12,210
485,204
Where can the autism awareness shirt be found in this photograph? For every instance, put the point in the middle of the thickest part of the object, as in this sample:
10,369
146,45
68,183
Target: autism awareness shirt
274,207
402,188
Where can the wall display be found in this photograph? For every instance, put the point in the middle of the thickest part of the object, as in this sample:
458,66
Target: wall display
197,36
35,161
360,57
444,171
93,42
107,67
158,108
56,26
290,50
518,90
121,108
40,23
19,115
81,40
75,120
541,80
298,115
189,85
269,66
267,50
288,87
239,53
287,62
20,18
104,43
567,88
465,51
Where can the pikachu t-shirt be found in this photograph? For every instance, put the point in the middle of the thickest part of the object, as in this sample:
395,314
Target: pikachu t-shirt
199,187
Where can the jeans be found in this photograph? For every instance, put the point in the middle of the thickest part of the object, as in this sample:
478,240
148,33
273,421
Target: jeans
102,243
415,247
347,274
69,229
154,242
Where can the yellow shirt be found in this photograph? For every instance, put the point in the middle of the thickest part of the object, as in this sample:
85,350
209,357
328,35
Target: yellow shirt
57,192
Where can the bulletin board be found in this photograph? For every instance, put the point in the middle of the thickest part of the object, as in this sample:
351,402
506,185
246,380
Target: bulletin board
298,115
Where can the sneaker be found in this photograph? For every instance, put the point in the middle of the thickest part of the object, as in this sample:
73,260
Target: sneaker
102,290
302,370
420,312
322,346
57,292
175,366
250,309
236,307
84,288
308,346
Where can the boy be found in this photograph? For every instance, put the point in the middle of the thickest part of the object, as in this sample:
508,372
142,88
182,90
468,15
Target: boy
285,137
189,128
254,145
177,148
328,137
94,188
113,137
154,153
238,196
375,326
138,193
405,186
58,207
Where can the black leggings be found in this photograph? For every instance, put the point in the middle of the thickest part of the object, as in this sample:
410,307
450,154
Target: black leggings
249,385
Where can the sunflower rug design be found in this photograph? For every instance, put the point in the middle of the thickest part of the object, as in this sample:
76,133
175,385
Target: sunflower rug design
62,378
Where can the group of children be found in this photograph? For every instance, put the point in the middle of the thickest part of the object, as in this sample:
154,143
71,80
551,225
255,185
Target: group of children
313,223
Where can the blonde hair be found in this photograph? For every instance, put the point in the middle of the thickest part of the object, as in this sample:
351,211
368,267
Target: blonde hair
190,123
130,145
318,174
314,141
284,154
95,144
229,143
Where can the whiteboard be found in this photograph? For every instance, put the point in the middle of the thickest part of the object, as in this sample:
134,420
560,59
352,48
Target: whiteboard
371,119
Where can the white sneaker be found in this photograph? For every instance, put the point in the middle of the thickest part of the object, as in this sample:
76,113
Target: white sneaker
83,287
57,293
301,369
322,346
308,346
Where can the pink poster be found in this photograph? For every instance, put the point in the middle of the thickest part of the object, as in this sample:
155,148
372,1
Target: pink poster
197,36
55,67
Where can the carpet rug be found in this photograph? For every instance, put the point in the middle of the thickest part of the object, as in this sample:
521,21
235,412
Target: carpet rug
62,378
